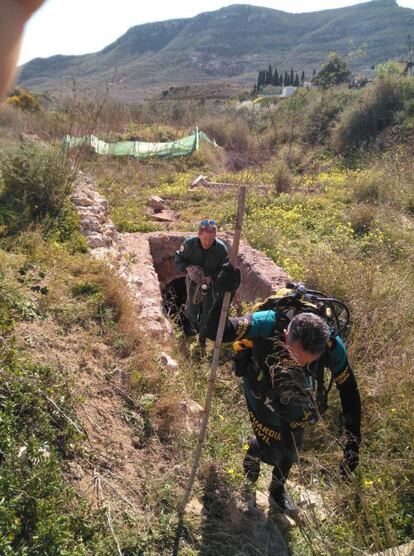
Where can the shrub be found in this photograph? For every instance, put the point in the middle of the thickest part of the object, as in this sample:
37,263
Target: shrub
324,112
333,72
66,229
169,418
368,190
362,218
281,176
296,156
24,100
230,133
388,69
36,184
372,112
234,135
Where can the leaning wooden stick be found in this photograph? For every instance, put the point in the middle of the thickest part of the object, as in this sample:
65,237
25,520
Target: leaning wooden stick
216,352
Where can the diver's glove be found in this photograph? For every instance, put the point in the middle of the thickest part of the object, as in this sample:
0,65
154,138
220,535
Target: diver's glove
228,279
350,458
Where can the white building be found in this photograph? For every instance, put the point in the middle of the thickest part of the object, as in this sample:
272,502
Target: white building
288,91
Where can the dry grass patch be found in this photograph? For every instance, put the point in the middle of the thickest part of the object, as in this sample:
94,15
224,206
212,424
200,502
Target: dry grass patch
169,418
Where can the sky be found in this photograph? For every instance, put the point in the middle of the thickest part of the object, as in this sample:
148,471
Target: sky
82,26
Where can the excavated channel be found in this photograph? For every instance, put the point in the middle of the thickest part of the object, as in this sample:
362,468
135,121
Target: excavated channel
260,276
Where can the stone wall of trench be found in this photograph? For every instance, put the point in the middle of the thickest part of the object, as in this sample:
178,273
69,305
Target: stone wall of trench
260,276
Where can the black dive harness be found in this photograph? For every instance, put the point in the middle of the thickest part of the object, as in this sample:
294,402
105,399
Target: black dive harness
264,360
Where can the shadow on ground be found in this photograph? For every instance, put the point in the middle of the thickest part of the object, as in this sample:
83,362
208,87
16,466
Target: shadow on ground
229,531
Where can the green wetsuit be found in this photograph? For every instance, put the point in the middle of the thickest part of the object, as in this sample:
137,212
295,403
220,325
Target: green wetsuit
191,253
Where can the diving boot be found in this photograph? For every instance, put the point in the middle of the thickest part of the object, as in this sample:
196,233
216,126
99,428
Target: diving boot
283,511
283,504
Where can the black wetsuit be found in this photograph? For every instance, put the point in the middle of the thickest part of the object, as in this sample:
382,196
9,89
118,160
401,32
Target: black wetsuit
277,392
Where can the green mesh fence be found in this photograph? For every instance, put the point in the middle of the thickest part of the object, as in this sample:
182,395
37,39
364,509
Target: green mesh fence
139,149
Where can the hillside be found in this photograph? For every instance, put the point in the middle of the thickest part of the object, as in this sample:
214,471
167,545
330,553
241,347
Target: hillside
229,44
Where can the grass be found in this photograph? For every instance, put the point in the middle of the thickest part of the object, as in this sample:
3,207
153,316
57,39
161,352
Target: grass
342,224
359,248
39,509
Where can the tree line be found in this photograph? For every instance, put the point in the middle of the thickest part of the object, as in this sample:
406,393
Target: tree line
283,79
333,72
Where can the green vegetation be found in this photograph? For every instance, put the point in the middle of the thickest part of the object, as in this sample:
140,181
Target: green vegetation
24,100
338,215
333,72
40,512
389,102
35,185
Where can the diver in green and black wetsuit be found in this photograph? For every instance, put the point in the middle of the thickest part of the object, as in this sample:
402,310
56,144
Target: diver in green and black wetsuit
278,355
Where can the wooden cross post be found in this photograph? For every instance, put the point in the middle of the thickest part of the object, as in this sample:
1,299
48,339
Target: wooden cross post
216,353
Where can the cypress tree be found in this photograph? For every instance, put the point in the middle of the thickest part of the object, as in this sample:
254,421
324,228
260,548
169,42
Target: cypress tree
270,75
280,80
296,82
302,79
261,79
276,78
292,77
286,81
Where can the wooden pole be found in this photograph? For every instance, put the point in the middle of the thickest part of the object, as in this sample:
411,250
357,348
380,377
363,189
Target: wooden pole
216,353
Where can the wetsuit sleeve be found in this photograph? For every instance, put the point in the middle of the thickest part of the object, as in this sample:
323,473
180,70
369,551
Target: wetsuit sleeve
260,324
346,383
182,257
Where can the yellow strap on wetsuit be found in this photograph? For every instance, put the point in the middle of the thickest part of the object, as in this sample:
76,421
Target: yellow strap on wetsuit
240,345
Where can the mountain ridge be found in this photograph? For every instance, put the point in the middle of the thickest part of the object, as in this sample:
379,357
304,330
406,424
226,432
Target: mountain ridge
229,44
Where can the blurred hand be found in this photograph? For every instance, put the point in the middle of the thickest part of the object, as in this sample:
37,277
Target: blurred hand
29,6
13,16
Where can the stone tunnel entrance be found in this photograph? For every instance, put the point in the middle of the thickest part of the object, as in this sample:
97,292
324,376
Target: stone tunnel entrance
146,263
174,297
260,276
